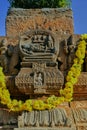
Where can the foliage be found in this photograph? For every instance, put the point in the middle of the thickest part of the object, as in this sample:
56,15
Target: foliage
27,4
66,94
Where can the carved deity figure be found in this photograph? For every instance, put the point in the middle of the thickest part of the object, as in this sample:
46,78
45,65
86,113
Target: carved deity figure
69,50
38,44
38,79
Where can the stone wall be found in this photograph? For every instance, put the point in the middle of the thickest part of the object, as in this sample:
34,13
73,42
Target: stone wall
22,20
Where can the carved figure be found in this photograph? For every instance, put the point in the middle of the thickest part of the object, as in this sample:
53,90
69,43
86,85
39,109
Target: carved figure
38,43
38,79
66,47
14,64
27,48
71,54
69,51
3,55
49,44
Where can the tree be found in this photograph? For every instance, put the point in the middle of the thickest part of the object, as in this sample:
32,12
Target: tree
27,4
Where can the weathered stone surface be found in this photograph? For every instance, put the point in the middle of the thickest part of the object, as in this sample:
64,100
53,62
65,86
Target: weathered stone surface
8,118
78,104
82,127
22,20
80,88
79,110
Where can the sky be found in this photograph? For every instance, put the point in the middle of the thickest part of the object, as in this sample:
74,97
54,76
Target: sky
79,8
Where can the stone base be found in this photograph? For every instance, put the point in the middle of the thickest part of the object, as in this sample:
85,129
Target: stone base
55,118
46,128
75,118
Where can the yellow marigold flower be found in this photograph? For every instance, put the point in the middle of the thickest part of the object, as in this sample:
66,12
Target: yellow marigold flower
70,73
75,60
81,45
68,90
81,61
3,84
73,68
9,105
68,78
1,91
73,80
27,105
20,103
5,100
51,99
68,99
78,53
6,92
61,99
84,36
29,102
77,74
49,106
57,102
68,85
68,96
38,105
2,79
14,102
61,91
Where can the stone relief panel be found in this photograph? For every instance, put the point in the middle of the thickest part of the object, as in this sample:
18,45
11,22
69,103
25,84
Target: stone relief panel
48,118
37,45
40,79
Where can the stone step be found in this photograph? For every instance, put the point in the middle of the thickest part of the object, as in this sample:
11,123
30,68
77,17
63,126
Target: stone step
46,128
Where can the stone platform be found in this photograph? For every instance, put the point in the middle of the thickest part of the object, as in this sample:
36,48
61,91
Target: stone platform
45,128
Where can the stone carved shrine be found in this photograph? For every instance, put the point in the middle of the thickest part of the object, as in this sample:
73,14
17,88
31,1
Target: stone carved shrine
39,67
36,54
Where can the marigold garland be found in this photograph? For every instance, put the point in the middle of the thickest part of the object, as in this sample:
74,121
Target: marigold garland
66,94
